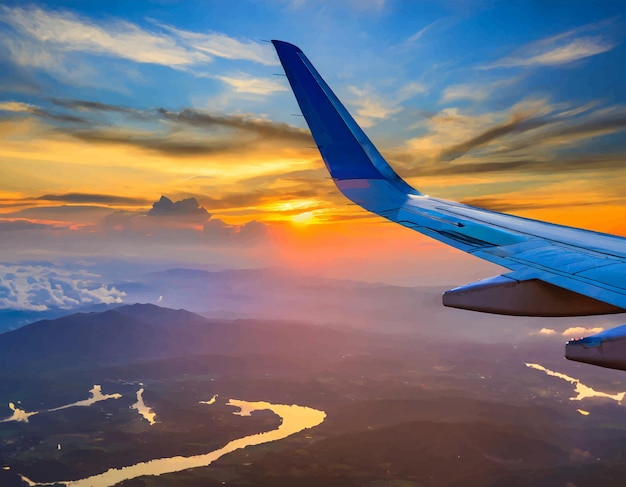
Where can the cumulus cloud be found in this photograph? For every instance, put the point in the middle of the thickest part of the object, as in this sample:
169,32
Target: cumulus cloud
38,287
581,331
182,208
186,220
545,332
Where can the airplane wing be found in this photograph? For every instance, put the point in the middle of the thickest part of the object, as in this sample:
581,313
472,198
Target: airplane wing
554,270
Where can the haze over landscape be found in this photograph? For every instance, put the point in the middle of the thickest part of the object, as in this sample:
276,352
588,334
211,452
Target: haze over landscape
149,154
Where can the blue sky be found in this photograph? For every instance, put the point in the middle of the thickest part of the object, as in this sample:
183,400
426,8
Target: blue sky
107,106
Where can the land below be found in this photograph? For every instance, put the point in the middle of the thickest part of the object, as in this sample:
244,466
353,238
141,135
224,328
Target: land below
402,408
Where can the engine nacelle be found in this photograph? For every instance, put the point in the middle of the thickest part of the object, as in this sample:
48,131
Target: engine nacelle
507,296
605,349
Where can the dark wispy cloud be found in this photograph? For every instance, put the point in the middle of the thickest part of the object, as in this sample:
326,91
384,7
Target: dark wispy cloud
174,133
503,204
11,225
601,122
83,198
91,105
412,167
169,144
259,127
13,108
536,140
517,125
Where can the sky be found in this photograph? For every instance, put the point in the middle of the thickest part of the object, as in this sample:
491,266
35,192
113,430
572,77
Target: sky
106,107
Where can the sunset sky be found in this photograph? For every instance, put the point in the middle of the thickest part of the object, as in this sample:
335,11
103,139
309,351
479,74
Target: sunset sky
105,106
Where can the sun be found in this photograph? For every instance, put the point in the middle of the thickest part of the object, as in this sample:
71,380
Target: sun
304,218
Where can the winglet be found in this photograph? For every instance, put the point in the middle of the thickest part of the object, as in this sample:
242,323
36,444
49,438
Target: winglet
346,150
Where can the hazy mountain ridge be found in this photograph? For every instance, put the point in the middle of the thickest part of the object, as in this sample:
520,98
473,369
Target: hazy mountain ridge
281,294
139,332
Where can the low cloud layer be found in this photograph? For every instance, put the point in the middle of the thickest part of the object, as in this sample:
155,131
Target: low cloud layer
38,287
581,331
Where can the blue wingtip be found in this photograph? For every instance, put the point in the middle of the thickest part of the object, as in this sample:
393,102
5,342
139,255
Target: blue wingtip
345,149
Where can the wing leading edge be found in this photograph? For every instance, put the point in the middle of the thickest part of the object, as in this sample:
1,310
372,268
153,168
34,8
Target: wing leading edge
554,270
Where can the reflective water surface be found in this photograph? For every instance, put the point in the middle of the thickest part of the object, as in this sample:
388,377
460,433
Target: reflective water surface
147,413
18,414
210,401
294,419
582,391
95,393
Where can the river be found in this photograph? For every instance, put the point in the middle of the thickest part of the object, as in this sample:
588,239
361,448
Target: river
582,391
294,419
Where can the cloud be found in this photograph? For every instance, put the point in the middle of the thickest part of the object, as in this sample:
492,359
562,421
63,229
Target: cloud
545,332
15,106
505,205
88,105
580,331
477,91
93,198
221,45
466,91
46,36
556,128
63,31
19,107
41,287
259,127
168,144
414,40
518,123
69,32
232,133
560,49
372,107
185,219
533,136
183,208
21,224
256,86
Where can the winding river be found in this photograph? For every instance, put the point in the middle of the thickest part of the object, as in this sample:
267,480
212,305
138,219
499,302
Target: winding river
582,391
294,419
